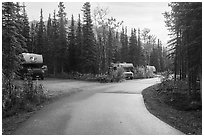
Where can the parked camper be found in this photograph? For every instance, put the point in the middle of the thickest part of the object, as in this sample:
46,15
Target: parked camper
127,67
32,65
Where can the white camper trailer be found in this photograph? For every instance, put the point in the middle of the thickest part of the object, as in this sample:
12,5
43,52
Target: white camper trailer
127,67
32,65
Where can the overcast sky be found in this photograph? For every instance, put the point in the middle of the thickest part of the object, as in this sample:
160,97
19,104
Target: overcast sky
134,14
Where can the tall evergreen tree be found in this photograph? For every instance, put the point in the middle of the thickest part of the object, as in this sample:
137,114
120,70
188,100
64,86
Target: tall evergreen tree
19,20
133,50
185,25
55,37
11,40
116,48
154,57
124,48
126,45
160,56
33,36
89,47
141,59
110,47
49,28
26,29
49,45
72,46
40,36
62,40
79,42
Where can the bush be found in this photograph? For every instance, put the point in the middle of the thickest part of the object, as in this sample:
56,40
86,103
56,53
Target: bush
174,86
176,94
34,92
118,75
139,72
103,78
17,98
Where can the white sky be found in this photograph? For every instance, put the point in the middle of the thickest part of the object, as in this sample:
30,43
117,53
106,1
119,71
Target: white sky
134,14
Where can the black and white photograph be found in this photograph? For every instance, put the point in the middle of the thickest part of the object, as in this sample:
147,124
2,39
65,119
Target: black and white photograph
101,68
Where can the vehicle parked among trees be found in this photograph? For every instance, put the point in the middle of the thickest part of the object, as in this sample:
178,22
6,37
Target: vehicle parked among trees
127,69
32,65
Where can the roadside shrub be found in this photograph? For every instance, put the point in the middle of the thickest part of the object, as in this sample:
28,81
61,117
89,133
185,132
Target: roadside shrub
16,98
117,76
34,92
11,97
104,78
165,76
139,72
114,76
174,86
149,74
176,94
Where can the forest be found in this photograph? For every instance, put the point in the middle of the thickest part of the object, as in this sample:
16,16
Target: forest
87,44
90,42
185,25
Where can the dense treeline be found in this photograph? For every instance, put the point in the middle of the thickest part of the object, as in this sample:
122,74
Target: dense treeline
185,24
87,44
15,40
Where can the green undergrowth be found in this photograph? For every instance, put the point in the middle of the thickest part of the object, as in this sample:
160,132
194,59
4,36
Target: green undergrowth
19,98
171,102
102,78
27,98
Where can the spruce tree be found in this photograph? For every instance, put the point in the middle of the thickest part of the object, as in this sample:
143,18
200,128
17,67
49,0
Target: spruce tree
11,40
49,28
110,47
79,42
126,45
140,57
40,36
116,48
26,29
124,48
33,36
72,46
89,47
19,20
185,25
122,38
133,50
49,45
55,37
62,39
155,57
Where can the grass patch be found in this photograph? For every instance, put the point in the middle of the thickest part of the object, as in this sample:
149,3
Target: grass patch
175,109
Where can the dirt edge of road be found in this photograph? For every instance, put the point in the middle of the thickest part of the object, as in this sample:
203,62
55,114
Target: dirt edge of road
10,124
187,122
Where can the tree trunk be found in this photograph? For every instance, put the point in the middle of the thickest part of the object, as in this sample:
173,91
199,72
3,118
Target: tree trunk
54,68
200,77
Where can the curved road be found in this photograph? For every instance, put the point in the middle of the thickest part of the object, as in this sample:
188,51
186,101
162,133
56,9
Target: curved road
99,109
